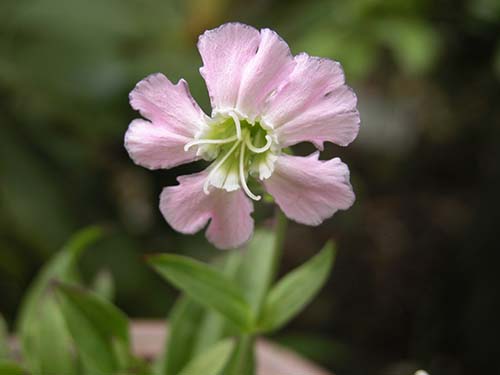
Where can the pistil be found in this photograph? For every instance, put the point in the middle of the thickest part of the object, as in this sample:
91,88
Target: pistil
244,136
237,124
243,180
259,150
209,142
218,165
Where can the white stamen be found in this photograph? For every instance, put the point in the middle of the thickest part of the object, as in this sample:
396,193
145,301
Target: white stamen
242,176
236,120
188,145
218,165
259,150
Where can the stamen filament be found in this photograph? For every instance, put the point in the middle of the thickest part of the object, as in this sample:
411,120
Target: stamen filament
242,176
188,145
259,150
236,120
218,165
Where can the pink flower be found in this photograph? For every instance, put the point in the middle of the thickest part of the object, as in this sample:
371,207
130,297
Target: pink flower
264,99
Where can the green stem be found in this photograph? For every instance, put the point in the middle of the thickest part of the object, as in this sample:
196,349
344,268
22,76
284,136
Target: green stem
280,230
242,361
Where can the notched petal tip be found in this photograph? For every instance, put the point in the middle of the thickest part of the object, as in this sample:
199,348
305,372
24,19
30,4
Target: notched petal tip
138,90
188,209
225,51
233,24
155,147
314,104
264,73
309,190
168,105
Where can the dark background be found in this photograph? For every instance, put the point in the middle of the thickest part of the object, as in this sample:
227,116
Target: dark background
416,283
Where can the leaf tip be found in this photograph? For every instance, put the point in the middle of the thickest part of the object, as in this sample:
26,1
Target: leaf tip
329,251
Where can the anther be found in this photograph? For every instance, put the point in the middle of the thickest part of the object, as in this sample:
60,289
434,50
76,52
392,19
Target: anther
236,120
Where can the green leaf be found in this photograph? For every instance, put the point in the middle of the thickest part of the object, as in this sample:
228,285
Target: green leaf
103,285
60,267
4,340
212,361
295,290
193,327
98,328
206,286
104,315
213,325
256,269
51,341
11,368
242,361
45,340
46,344
184,323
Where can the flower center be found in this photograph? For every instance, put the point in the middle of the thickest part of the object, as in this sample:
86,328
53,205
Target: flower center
238,150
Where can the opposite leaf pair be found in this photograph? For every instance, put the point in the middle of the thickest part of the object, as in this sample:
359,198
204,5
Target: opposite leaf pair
65,328
238,302
211,289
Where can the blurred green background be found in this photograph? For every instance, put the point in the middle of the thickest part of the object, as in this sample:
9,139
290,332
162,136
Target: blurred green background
417,279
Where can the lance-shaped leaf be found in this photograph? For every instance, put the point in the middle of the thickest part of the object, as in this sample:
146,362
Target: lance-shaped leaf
184,322
295,290
211,361
99,329
206,286
242,360
103,285
214,326
192,327
60,267
51,341
45,341
256,270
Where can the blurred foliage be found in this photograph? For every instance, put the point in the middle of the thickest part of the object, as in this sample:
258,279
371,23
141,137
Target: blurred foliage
416,279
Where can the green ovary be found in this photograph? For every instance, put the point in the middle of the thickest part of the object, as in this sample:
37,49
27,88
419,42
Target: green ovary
234,158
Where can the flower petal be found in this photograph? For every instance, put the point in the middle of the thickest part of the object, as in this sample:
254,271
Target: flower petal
309,190
225,52
154,147
232,224
168,105
264,73
187,209
313,105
